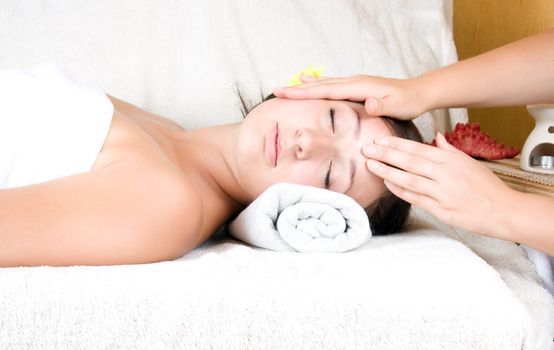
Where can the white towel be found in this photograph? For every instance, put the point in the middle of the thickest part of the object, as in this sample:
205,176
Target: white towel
52,124
291,217
544,264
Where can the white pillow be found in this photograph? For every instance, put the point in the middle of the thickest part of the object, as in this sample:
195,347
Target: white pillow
184,59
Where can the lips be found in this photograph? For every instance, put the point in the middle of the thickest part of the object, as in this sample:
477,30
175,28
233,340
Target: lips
272,150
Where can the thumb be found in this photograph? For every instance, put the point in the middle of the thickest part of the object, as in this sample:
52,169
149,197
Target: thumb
374,106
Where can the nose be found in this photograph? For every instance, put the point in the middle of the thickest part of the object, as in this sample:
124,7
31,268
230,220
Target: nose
310,142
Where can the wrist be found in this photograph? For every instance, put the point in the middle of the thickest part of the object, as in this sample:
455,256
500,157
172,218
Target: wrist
427,95
504,223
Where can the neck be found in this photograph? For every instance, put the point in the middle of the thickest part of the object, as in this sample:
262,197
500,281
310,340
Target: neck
211,153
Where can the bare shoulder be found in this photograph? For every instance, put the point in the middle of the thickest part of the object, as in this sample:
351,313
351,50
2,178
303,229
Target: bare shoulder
137,112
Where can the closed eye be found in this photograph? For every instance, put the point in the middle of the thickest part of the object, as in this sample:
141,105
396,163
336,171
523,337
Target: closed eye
332,117
328,176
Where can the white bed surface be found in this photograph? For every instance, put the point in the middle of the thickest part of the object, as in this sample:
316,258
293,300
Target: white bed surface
393,293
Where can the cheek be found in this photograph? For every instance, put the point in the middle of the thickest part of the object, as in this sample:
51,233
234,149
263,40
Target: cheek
296,174
302,174
248,145
367,193
248,157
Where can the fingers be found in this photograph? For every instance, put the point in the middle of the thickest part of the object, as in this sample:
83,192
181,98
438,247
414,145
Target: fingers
443,144
409,162
324,89
426,203
354,88
420,149
411,197
415,184
349,88
308,81
309,78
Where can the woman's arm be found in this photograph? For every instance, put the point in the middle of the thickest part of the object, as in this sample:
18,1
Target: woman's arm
114,215
530,220
516,74
519,73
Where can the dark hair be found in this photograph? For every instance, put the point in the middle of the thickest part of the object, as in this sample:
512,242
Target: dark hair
388,214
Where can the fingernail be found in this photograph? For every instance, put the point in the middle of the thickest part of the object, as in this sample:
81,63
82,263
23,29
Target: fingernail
381,141
369,150
374,104
373,164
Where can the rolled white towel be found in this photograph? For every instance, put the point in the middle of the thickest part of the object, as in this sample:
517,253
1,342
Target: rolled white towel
291,217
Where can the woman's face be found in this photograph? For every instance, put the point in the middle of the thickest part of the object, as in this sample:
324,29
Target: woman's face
310,142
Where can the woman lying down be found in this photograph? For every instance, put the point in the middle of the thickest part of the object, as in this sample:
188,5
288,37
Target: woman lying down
88,179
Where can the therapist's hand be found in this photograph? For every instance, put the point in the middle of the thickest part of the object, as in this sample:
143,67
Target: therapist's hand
399,98
444,181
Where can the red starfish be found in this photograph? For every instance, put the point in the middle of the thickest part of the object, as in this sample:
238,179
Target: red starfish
471,140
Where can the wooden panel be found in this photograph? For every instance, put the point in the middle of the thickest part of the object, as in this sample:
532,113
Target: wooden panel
481,25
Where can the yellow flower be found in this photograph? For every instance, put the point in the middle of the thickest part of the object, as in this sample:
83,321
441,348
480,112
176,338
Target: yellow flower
295,79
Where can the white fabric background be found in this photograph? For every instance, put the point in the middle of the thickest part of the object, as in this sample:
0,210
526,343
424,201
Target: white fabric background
184,59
